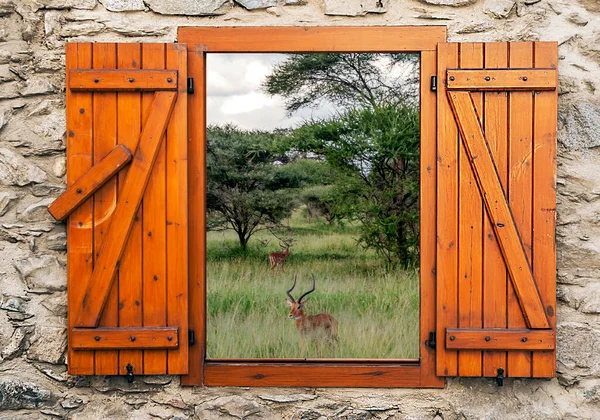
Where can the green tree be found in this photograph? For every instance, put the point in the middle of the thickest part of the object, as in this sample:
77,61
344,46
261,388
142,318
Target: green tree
347,80
376,155
247,188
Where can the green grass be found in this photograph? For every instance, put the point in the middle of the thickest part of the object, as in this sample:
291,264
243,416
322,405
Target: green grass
377,309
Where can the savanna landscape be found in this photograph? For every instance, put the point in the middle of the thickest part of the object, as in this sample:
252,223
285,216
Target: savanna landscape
333,198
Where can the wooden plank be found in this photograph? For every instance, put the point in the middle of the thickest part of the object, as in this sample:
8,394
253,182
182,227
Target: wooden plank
177,213
500,339
122,80
502,79
116,236
130,272
313,39
544,200
154,229
80,223
311,375
197,224
494,270
105,139
89,183
427,218
447,218
520,173
470,227
497,209
125,338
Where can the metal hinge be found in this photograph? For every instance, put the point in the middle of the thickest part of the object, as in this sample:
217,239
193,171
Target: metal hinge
431,342
500,377
191,337
190,85
433,84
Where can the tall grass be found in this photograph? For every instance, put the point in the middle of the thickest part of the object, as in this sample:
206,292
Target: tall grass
377,309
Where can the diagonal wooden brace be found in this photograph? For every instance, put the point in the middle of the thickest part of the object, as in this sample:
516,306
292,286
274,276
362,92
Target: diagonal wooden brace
501,217
107,261
90,182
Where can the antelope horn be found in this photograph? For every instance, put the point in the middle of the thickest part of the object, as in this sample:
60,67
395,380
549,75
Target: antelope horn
289,292
309,292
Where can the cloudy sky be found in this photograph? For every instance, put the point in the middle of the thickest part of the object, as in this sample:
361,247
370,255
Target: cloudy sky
234,93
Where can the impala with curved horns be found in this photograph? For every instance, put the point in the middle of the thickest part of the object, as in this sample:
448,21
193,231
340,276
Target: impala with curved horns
313,326
278,258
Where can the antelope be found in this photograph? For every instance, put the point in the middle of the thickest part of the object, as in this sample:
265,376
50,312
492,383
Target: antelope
278,258
311,326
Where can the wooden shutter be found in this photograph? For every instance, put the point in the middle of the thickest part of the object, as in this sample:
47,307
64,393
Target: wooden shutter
126,202
496,269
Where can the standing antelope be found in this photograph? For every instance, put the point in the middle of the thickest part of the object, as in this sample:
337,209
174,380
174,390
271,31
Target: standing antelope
278,258
311,326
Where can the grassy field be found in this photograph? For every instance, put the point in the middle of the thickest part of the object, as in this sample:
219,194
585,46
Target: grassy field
377,310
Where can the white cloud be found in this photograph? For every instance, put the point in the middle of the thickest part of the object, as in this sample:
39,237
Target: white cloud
239,104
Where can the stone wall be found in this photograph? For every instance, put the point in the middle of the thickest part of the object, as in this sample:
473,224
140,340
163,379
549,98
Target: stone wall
33,379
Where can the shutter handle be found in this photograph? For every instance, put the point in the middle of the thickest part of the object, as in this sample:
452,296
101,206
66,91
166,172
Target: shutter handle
129,375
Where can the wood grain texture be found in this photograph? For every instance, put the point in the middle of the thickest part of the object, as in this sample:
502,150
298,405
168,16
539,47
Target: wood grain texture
500,339
137,178
177,212
498,210
495,277
544,200
122,79
125,338
313,39
447,210
89,182
502,79
470,228
105,139
130,272
154,228
80,258
520,182
427,220
197,224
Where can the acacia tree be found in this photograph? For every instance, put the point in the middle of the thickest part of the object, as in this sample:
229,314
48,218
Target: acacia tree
347,80
247,190
376,155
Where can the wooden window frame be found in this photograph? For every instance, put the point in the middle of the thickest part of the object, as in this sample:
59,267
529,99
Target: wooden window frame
317,372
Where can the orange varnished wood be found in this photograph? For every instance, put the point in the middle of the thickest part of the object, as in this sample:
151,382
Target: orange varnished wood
313,39
470,227
177,212
89,183
122,79
125,338
113,244
105,139
447,214
494,270
497,209
80,223
313,375
202,40
520,182
130,271
502,79
545,54
427,220
197,224
154,229
500,339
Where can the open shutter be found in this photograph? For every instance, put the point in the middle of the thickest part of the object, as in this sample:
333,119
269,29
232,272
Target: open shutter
126,202
496,269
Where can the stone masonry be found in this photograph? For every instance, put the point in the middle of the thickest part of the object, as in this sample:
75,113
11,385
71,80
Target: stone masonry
33,379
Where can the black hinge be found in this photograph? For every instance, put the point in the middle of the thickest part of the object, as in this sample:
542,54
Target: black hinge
431,342
191,337
190,85
500,377
433,84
